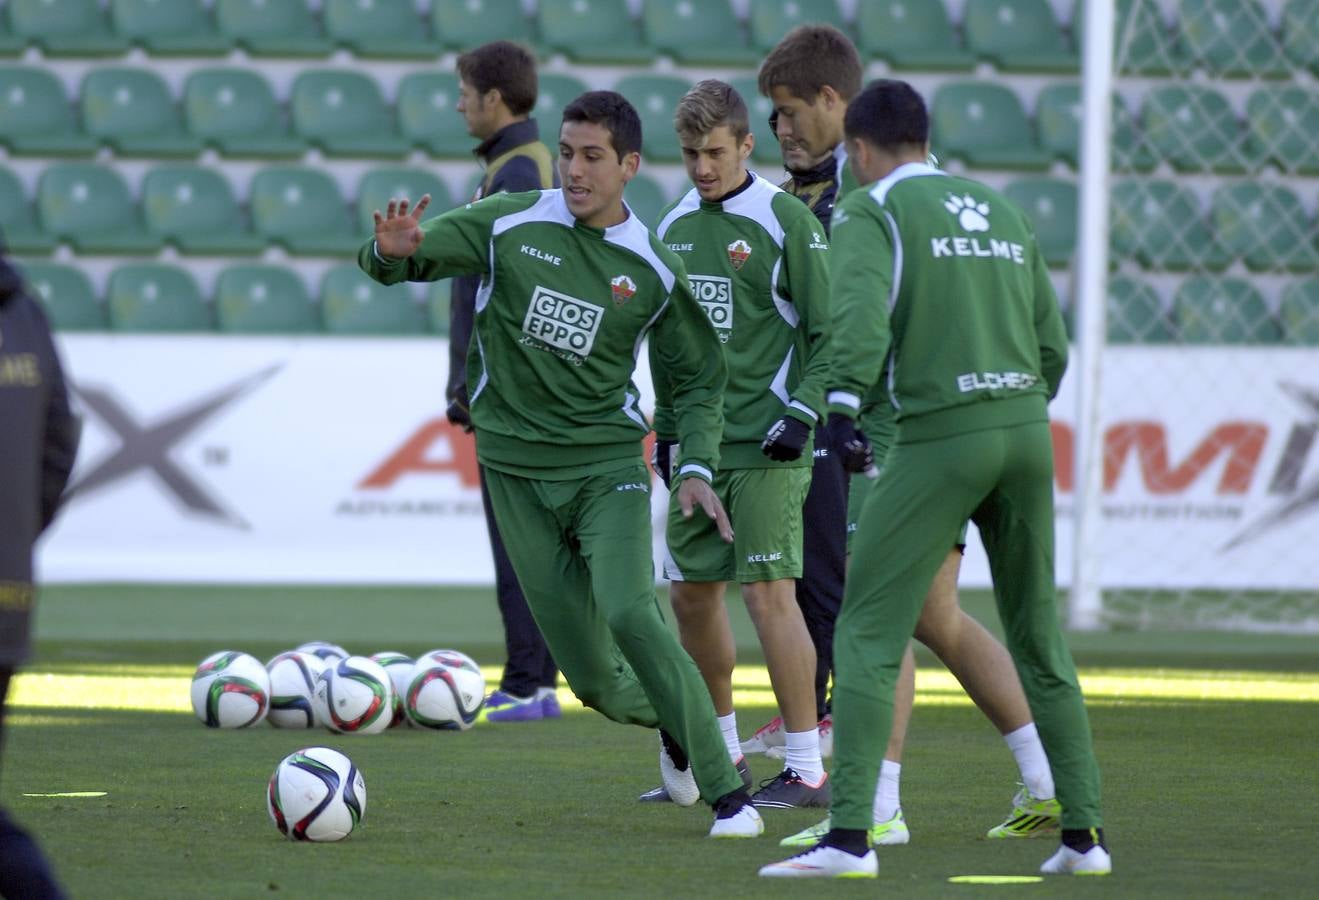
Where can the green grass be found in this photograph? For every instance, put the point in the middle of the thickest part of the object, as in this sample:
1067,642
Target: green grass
1203,797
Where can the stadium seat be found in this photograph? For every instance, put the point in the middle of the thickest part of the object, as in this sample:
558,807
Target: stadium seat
646,198
1058,118
554,92
19,231
389,29
302,209
770,20
911,35
1282,123
154,297
1209,310
437,306
1300,33
464,24
656,97
173,28
698,33
66,295
1135,313
1299,312
1231,38
1050,203
1194,129
379,186
1143,44
132,111
759,109
344,114
65,27
984,125
354,303
1018,36
1159,223
264,300
36,118
90,207
234,110
1266,226
593,31
272,27
10,43
194,209
428,116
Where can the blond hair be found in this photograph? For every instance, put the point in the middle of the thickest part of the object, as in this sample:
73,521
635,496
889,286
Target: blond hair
709,104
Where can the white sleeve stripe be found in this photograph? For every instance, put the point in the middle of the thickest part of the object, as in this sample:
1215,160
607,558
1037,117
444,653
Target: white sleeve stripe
844,398
696,469
806,409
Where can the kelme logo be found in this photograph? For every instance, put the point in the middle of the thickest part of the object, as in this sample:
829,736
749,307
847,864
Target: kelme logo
738,252
623,288
971,214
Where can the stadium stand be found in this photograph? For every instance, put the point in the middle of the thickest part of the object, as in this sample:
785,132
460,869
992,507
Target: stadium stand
66,27
985,125
1231,38
1018,36
176,28
593,31
427,117
1265,225
194,209
379,186
1300,34
1159,224
655,97
1194,129
36,118
354,304
66,295
90,207
301,208
759,109
463,24
437,307
770,20
18,224
1135,313
234,111
1298,312
152,297
1051,205
272,27
1282,122
1058,120
1210,310
344,113
704,33
261,299
911,36
646,198
131,110
389,29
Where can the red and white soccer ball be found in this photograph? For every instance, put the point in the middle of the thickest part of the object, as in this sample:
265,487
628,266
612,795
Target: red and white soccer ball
293,677
354,696
399,668
316,794
230,690
323,650
449,657
445,697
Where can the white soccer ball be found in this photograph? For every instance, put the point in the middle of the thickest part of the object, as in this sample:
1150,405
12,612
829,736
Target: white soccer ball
449,657
293,678
323,650
442,696
354,696
316,794
399,668
230,690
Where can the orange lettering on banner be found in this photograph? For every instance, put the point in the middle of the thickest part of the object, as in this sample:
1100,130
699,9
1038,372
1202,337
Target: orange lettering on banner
413,456
1241,441
1064,456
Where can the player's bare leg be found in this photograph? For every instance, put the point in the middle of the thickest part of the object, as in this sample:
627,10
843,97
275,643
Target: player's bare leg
707,636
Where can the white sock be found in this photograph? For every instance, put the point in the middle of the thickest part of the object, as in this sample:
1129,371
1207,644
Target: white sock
803,755
1031,760
887,802
728,725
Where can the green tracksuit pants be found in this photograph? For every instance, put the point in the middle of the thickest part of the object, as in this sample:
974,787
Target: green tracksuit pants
1002,479
582,552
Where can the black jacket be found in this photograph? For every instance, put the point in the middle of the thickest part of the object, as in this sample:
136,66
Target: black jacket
817,188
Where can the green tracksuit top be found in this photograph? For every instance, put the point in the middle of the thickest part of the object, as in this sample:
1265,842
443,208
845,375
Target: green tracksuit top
943,293
560,318
757,262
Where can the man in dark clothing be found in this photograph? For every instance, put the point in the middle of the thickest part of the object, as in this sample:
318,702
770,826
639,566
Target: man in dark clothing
38,439
497,91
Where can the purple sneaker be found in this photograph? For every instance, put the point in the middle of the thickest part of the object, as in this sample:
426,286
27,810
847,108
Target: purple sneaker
502,707
549,703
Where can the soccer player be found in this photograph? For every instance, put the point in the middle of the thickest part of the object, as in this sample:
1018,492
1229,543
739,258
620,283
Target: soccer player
497,91
38,441
940,289
571,284
756,260
810,77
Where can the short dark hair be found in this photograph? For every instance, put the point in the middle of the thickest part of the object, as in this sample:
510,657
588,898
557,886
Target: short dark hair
888,114
505,67
808,58
610,109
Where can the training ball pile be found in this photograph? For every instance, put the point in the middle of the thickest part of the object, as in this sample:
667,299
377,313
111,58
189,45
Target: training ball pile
230,690
316,794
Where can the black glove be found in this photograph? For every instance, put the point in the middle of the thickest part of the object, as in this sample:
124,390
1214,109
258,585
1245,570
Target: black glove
661,460
785,439
458,413
849,443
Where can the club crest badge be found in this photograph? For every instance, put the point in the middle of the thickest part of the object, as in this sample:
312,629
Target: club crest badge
738,252
623,288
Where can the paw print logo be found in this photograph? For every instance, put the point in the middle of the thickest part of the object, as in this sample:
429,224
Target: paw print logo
970,213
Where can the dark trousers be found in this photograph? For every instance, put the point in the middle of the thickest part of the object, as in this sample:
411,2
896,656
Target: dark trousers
24,872
529,664
824,561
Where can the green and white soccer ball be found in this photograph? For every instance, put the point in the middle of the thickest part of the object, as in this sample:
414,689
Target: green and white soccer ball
354,696
444,697
451,658
399,668
293,677
316,794
323,650
230,690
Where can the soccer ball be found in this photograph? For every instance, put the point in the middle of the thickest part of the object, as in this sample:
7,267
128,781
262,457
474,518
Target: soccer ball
442,696
354,696
230,690
292,680
455,658
323,650
316,794
399,668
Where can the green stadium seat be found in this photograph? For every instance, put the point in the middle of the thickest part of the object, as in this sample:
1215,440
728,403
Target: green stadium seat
1058,118
234,110
19,231
194,209
1231,38
593,31
272,27
464,24
1143,44
389,29
1300,33
345,114
1209,310
759,109
428,116
36,118
911,35
985,126
1018,36
353,303
1160,224
437,306
1298,311
264,300
90,207
1050,203
379,186
66,27
173,28
554,92
770,20
132,110
698,33
656,97
1282,123
154,297
1266,226
1195,130
1135,313
66,295
646,198
302,209
10,43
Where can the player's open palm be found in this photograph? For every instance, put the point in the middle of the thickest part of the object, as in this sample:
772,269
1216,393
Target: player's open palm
398,231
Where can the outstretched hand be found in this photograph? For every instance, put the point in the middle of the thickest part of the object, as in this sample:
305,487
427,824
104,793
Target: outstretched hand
398,231
693,492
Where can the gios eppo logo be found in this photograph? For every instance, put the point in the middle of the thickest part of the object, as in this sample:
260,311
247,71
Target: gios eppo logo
563,322
715,294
